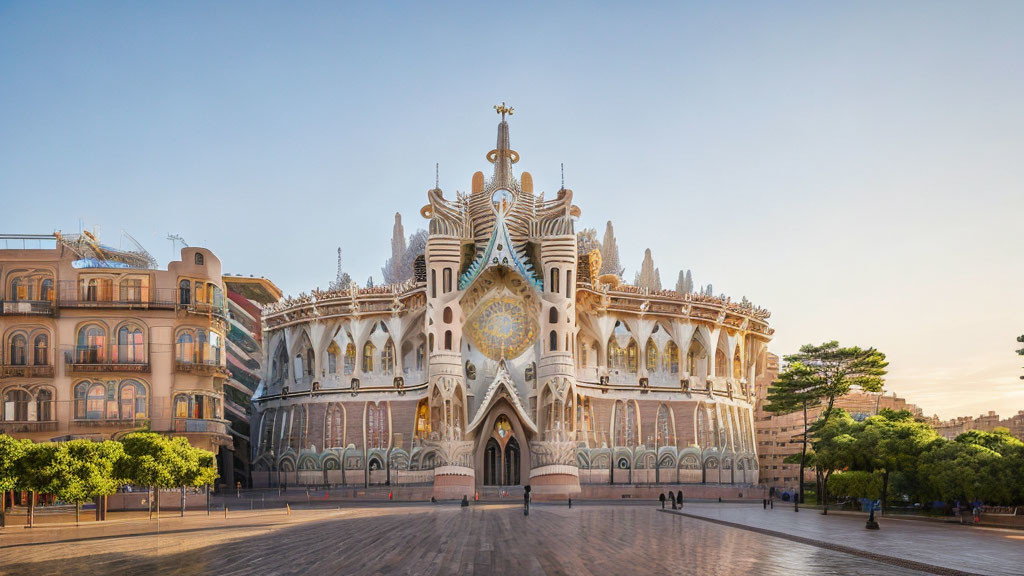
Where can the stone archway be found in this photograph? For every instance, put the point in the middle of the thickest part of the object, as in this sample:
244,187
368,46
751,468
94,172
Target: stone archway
502,448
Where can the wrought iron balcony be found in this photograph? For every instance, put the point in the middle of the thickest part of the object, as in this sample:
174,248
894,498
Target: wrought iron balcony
19,427
85,367
198,426
202,369
43,371
28,308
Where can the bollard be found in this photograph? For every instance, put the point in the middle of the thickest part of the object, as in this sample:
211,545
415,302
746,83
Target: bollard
225,512
288,509
570,502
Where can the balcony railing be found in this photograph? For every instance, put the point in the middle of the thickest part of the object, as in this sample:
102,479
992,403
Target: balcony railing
83,366
74,295
197,426
28,307
18,427
202,369
7,371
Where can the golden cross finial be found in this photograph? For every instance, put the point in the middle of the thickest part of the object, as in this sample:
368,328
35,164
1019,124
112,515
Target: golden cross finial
502,109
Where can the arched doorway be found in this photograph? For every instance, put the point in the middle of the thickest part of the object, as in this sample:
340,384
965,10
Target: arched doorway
492,463
502,455
512,462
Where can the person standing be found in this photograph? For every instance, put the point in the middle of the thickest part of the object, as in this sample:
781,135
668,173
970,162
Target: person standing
526,501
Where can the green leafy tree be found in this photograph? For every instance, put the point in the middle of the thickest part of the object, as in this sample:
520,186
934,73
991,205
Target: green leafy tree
190,466
31,471
964,472
835,370
79,470
834,449
855,484
891,442
149,461
11,453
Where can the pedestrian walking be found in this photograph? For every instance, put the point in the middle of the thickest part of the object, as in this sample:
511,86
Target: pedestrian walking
526,501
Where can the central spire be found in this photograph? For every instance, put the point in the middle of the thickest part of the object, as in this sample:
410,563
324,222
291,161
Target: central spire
503,156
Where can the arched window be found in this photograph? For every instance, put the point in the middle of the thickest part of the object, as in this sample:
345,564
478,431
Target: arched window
350,358
695,357
130,345
368,350
553,315
16,405
185,353
446,274
199,259
46,290
334,426
19,352
92,344
553,341
387,357
184,293
447,315
671,360
21,289
624,432
420,356
44,405
332,358
41,350
92,290
665,431
631,356
447,339
377,428
422,430
297,437
433,283
95,395
737,365
616,355
430,339
201,342
132,401
554,281
651,360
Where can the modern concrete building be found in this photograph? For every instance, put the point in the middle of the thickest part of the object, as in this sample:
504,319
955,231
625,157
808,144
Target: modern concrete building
98,342
506,360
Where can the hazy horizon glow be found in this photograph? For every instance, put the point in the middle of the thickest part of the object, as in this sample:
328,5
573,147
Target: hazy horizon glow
856,169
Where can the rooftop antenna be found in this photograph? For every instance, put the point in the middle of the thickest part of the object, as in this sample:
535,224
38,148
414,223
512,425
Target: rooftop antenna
563,175
174,238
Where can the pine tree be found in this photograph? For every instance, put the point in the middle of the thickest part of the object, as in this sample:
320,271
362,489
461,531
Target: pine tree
648,276
610,253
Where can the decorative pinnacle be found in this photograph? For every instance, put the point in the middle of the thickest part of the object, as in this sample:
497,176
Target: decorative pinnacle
503,109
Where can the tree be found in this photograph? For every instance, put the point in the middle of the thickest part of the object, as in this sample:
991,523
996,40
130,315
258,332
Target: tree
648,276
855,484
892,442
834,449
189,466
610,253
792,392
11,453
830,371
147,462
31,472
77,470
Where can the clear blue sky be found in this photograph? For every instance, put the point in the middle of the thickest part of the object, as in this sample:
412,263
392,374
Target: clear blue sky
856,168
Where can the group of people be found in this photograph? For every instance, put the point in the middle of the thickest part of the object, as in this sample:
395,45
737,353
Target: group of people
675,498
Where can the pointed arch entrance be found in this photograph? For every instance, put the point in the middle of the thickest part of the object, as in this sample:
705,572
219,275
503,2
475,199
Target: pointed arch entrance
502,466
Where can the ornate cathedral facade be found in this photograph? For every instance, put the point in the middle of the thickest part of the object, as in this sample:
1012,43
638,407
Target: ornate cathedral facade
507,360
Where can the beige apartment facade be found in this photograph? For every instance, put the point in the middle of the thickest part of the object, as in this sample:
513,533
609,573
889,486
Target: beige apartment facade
97,342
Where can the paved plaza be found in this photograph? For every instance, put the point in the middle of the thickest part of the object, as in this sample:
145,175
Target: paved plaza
426,539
